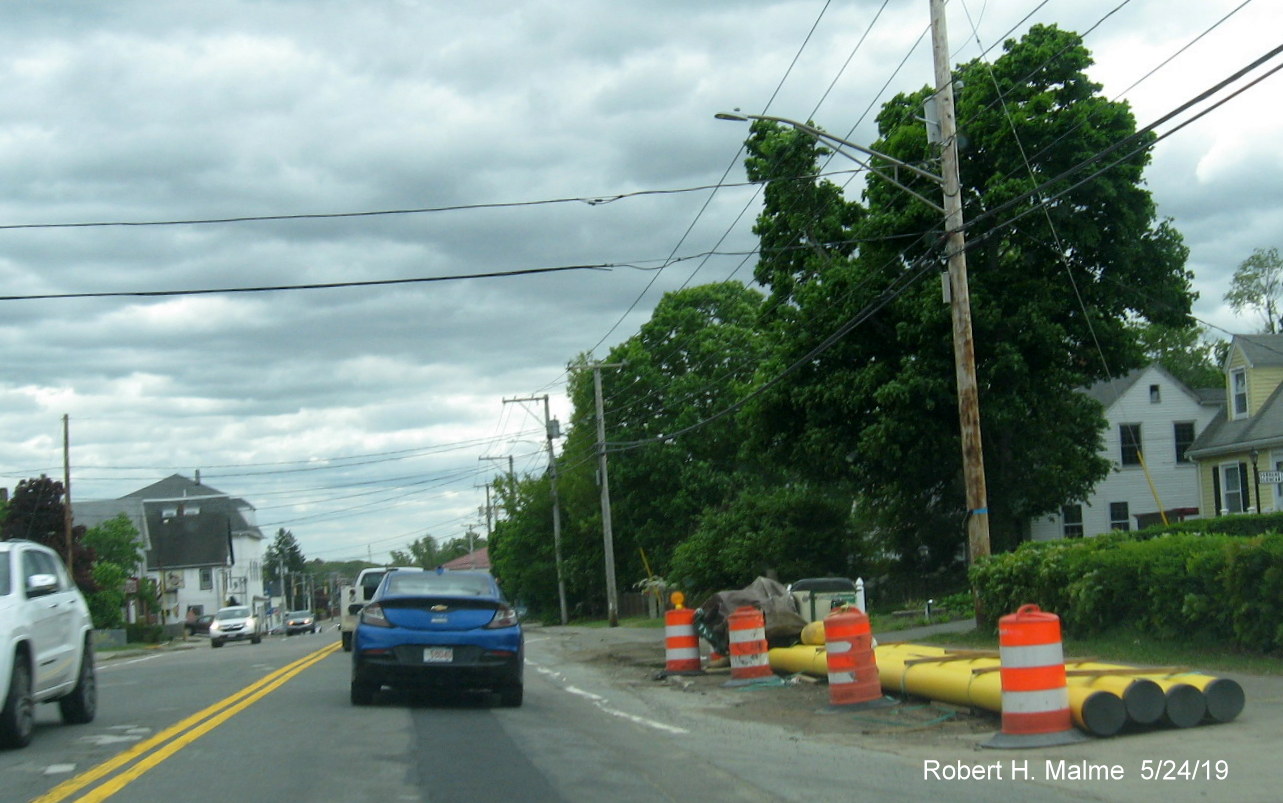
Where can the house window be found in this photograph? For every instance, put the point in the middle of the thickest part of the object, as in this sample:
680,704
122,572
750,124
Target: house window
1072,516
1239,380
1129,438
1183,431
1232,483
1119,518
206,579
1155,396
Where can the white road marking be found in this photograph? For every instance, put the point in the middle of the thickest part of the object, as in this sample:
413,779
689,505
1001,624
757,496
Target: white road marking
601,703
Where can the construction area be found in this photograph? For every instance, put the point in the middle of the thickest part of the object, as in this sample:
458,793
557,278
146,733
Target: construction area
943,708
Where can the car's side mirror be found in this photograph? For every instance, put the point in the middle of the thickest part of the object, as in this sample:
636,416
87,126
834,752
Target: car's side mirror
38,585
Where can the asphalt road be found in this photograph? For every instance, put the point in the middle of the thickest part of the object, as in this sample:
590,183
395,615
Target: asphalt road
272,722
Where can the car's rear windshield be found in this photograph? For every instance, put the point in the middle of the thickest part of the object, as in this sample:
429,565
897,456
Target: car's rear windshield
467,585
4,574
232,613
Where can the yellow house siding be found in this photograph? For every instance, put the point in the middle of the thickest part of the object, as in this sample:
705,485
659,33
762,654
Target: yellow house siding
1261,382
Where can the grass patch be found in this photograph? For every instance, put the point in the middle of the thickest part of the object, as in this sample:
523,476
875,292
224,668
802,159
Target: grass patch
1130,647
635,621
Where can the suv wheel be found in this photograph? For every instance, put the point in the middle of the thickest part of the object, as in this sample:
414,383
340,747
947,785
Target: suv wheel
18,719
81,705
215,643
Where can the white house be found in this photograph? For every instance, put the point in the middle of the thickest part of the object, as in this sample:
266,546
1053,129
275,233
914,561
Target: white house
1153,419
202,546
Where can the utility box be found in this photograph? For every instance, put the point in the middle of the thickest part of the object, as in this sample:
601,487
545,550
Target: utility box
816,596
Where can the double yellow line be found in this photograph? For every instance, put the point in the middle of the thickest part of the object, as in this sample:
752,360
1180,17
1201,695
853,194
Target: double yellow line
146,755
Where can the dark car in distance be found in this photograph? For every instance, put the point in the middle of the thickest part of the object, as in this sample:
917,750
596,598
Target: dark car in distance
300,622
438,629
199,625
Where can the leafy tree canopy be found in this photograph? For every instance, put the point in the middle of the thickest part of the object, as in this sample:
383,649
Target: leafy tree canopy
36,512
1052,299
116,541
1257,285
283,554
421,552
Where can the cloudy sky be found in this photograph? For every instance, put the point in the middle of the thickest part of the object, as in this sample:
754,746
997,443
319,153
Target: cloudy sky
530,139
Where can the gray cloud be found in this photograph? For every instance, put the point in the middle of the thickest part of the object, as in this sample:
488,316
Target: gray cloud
136,111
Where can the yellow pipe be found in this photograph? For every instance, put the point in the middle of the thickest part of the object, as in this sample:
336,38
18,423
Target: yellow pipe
1143,697
1222,699
813,634
973,679
806,659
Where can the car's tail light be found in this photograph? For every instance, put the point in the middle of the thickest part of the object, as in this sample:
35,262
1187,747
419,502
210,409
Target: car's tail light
504,617
373,615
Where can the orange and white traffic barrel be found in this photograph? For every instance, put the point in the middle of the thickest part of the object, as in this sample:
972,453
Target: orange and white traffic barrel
852,667
749,652
1035,695
681,644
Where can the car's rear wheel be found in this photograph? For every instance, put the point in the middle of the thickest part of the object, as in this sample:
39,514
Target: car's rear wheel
346,638
254,640
18,718
510,696
81,705
215,643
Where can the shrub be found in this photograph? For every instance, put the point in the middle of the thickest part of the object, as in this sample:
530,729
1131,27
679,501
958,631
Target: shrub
1226,586
138,633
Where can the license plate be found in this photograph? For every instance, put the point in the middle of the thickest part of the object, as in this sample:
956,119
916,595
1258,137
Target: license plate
438,655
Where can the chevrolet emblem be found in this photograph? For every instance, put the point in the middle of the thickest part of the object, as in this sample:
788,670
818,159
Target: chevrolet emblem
440,607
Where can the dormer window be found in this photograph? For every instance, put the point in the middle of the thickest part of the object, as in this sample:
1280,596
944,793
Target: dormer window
1238,381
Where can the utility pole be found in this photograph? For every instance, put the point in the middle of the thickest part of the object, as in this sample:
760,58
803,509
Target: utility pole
512,474
66,488
964,353
612,595
551,431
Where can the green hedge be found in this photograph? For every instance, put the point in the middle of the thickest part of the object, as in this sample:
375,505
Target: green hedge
1227,587
137,633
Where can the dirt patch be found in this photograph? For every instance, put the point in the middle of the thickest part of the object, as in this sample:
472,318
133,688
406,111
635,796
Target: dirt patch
799,703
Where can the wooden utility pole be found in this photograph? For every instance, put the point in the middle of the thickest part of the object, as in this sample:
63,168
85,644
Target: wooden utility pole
551,433
67,517
964,353
612,595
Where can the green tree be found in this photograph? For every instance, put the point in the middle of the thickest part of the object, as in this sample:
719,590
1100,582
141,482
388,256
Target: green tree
795,530
1185,353
116,541
1051,294
421,552
284,560
36,512
115,544
458,547
683,373
1257,285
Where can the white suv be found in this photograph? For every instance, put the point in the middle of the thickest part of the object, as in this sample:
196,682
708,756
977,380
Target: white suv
46,642
235,623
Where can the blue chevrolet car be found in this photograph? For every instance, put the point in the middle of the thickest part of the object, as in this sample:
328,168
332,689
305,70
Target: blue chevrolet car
438,629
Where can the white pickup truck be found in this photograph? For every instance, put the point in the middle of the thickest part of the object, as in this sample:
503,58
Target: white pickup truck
353,598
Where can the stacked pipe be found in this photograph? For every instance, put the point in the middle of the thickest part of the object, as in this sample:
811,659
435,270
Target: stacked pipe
1103,698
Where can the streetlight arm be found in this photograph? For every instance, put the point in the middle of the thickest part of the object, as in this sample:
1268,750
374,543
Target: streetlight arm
819,134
